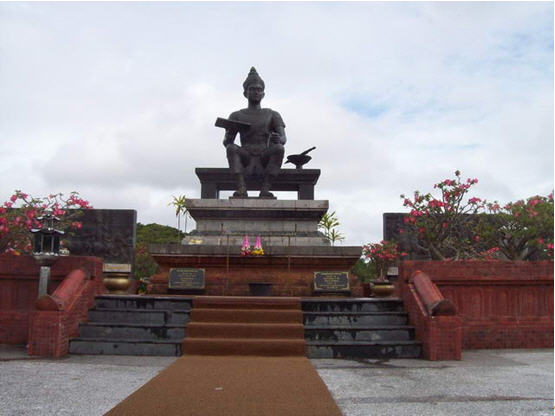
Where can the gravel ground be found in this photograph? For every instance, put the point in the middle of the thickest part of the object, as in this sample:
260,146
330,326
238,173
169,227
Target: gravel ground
485,382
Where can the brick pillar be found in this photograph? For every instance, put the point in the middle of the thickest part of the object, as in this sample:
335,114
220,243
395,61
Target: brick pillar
47,334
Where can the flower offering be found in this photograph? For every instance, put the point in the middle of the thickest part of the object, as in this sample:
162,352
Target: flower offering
258,250
246,247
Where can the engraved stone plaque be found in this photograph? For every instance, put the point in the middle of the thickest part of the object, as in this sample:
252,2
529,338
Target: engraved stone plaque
331,281
116,268
186,279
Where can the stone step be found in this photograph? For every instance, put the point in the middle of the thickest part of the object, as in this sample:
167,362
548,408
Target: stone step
325,328
143,302
115,331
246,315
349,333
244,330
139,316
363,349
354,318
246,302
101,346
242,346
352,305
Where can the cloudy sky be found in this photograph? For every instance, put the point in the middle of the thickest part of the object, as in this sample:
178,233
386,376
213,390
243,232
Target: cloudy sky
118,100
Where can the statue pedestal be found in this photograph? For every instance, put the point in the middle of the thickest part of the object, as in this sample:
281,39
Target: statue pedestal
294,249
285,223
290,270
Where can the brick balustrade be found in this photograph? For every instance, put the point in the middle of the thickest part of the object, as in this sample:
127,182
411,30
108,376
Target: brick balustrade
502,304
75,280
436,324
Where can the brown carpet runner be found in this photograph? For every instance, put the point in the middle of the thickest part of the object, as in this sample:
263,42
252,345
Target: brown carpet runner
232,325
232,386
213,379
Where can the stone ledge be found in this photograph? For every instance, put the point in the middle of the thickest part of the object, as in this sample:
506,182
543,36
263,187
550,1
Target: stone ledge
257,204
259,209
236,241
271,251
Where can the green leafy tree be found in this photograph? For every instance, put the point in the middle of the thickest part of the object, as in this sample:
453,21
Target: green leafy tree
144,265
157,233
365,272
328,225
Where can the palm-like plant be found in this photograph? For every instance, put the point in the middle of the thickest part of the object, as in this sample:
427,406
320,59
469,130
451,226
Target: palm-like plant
179,202
328,224
335,236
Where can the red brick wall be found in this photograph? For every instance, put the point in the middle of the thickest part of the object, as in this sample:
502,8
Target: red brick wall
50,331
19,290
290,276
502,304
14,326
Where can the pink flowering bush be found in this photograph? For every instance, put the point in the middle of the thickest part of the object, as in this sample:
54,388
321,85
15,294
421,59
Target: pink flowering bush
456,226
381,255
520,230
442,223
19,215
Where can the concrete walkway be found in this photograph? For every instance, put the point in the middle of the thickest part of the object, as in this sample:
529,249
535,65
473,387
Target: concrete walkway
485,382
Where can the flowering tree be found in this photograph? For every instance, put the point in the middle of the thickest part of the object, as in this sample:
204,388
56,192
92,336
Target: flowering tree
19,215
457,226
443,224
380,255
520,230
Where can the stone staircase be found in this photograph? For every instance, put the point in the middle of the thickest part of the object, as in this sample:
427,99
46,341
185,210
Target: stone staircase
170,326
358,328
134,325
235,325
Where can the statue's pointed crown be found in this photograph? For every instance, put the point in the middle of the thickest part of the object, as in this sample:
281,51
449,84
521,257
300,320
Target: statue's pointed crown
253,77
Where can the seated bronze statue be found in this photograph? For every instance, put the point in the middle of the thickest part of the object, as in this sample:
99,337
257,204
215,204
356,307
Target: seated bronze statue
262,140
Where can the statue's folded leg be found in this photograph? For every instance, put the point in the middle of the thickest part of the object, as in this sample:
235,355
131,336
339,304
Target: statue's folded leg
271,160
237,157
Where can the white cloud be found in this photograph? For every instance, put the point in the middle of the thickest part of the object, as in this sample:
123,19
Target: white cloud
118,100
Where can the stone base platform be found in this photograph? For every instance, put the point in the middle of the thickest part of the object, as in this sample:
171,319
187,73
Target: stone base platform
290,270
279,222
